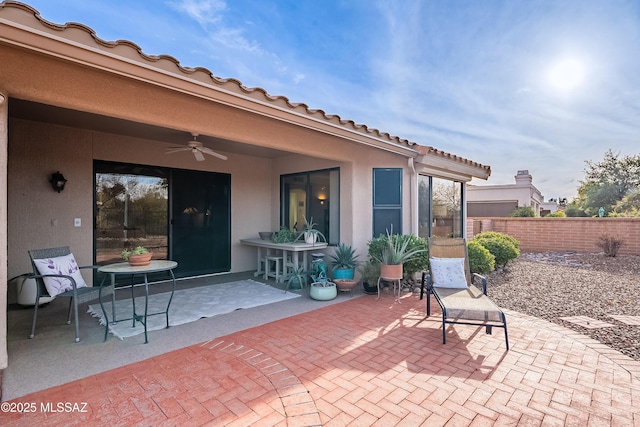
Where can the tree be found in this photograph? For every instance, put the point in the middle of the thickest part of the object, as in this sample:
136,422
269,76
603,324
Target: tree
598,196
629,206
623,172
573,209
605,184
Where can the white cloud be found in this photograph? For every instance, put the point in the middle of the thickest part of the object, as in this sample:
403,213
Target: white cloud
205,12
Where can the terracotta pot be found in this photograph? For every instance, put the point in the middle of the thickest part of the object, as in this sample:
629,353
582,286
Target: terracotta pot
345,285
138,260
391,272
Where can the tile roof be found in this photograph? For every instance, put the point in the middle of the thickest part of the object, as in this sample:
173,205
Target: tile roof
205,76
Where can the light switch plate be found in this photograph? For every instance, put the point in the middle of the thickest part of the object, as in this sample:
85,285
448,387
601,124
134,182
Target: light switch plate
77,222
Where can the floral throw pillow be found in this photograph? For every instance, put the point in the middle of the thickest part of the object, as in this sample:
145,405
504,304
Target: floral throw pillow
448,272
60,265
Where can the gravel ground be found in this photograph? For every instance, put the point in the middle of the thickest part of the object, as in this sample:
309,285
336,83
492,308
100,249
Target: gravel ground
554,285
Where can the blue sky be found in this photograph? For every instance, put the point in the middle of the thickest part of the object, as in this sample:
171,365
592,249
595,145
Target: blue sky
516,84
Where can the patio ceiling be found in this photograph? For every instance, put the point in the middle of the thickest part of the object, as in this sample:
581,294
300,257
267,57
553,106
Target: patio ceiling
28,110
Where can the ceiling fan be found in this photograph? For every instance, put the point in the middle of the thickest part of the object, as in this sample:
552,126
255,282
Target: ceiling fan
197,149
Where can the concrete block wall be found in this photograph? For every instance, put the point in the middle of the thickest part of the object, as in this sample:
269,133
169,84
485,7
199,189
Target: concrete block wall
562,234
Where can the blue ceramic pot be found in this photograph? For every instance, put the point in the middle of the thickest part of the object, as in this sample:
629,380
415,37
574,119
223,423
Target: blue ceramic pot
343,273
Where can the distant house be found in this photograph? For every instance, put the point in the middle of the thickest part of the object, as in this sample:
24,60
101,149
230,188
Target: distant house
500,200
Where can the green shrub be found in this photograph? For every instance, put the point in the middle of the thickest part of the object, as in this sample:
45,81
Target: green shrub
557,214
418,263
377,246
421,260
496,235
526,211
502,246
481,261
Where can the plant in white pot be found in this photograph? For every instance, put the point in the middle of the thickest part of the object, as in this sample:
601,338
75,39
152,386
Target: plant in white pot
322,289
310,233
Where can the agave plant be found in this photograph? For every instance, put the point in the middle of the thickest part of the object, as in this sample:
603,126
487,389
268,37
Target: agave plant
297,277
343,257
397,250
310,233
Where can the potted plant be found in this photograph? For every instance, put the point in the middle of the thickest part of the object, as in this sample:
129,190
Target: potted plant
310,234
284,235
322,289
297,278
343,262
137,257
345,285
395,253
370,271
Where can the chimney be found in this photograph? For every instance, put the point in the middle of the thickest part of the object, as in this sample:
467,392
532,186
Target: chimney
523,179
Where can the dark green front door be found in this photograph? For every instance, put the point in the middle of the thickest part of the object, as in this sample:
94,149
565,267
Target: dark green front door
200,222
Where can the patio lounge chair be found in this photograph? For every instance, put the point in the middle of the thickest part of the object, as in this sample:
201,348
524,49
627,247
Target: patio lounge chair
57,274
452,284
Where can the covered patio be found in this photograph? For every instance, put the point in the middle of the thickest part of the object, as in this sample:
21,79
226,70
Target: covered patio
91,109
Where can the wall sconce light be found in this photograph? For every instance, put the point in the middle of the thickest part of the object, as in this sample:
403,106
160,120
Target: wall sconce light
322,196
57,181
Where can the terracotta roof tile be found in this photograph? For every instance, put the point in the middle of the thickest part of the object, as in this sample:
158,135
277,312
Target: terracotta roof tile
234,85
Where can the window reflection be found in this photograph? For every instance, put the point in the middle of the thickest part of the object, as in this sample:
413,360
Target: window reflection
447,208
131,210
312,195
439,207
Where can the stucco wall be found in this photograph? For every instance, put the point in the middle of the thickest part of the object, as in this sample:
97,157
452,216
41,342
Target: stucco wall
3,232
40,217
563,234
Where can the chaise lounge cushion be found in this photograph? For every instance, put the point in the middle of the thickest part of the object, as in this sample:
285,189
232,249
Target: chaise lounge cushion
448,272
63,265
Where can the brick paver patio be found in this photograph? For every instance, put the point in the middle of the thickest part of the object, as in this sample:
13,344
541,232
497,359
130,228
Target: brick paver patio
362,362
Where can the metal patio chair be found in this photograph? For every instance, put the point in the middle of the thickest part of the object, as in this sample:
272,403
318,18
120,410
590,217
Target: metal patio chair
77,295
461,301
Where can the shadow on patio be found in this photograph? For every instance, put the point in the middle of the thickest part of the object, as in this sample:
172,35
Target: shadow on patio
362,361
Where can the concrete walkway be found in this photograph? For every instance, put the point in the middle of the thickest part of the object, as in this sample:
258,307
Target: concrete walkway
362,362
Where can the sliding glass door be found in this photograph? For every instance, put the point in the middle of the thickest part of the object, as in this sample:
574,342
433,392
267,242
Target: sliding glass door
130,210
200,222
177,214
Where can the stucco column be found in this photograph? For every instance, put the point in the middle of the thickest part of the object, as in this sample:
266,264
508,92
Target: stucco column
4,140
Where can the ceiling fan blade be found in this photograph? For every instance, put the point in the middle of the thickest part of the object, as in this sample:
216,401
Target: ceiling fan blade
213,153
172,150
198,155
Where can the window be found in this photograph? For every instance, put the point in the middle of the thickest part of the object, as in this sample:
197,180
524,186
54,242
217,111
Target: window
439,207
178,214
131,210
387,201
312,195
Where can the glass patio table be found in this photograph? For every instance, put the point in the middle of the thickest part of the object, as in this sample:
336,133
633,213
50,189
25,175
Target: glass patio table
124,268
